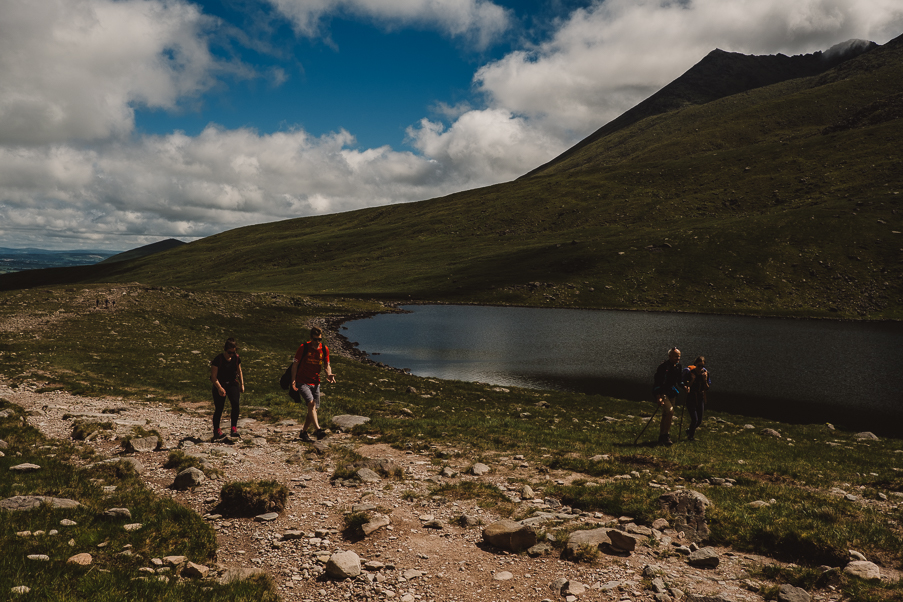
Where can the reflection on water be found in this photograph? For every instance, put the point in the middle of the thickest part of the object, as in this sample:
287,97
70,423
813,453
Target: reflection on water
791,370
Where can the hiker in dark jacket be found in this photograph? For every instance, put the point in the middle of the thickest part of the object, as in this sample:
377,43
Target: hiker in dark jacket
667,385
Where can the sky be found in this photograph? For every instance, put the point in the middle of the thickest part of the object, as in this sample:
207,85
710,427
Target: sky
125,122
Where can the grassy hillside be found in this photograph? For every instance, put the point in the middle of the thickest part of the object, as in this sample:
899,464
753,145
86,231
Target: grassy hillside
780,200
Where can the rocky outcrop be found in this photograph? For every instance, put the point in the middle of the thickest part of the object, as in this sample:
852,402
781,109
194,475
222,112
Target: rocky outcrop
688,509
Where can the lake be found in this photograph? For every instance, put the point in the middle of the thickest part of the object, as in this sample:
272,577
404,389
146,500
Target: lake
803,371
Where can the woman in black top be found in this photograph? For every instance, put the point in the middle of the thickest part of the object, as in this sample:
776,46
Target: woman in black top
228,381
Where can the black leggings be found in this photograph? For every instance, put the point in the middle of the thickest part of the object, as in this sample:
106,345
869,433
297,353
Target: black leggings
696,406
233,392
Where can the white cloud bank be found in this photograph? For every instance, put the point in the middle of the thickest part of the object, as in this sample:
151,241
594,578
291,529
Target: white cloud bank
73,173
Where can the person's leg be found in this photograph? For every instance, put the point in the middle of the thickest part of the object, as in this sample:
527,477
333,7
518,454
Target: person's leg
234,394
311,395
667,417
219,402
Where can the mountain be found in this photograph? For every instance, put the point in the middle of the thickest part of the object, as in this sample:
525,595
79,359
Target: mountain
718,75
157,247
780,199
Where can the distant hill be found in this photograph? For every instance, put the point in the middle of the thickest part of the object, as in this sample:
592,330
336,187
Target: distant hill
157,247
783,198
16,260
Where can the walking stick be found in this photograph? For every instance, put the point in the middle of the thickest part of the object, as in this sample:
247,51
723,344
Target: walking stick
645,427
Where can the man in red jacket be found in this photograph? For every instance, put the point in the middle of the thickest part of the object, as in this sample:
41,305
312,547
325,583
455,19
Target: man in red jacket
310,358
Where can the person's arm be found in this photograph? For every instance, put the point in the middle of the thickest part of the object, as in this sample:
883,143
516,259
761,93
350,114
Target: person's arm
330,377
294,373
214,370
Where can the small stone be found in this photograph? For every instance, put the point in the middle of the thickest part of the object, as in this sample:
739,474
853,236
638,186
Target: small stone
20,589
448,473
509,535
195,571
527,493
83,559
343,565
174,561
412,574
704,558
118,513
142,444
770,433
25,467
573,588
132,526
189,478
865,436
479,469
758,504
367,476
503,576
375,523
267,517
68,523
789,593
40,557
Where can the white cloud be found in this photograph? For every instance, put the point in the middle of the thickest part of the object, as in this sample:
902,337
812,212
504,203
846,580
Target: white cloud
73,69
480,20
604,59
73,173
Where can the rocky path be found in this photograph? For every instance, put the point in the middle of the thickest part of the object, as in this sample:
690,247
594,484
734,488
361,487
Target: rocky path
407,560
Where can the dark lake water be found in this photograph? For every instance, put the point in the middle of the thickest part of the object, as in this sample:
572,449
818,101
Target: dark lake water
804,371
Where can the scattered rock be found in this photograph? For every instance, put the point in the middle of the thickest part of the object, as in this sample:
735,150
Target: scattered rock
479,469
174,561
142,444
195,571
770,433
189,478
293,534
267,517
622,541
660,524
346,422
375,523
448,473
854,555
527,492
509,535
467,520
789,593
540,549
30,502
705,558
863,569
132,526
343,565
865,436
83,559
758,504
123,513
20,589
25,467
367,476
503,576
688,508
240,574
596,538
39,557
573,588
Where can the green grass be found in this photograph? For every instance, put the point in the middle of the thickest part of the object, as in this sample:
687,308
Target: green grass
807,525
168,529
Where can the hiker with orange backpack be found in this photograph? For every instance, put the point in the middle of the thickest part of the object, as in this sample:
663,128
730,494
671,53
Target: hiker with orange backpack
698,380
310,359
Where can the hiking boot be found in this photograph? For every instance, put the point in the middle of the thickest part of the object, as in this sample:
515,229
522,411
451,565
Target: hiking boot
305,437
218,434
234,433
320,434
691,435
665,440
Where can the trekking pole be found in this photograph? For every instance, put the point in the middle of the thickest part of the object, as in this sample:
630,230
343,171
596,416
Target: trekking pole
645,427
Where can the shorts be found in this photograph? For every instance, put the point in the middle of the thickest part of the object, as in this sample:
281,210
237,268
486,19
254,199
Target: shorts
308,392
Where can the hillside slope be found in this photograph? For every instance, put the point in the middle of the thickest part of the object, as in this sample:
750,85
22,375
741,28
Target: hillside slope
780,200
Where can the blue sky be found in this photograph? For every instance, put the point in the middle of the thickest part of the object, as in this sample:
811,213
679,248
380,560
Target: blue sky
124,122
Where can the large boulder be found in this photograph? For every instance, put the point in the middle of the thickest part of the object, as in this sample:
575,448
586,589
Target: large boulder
789,593
704,558
509,535
688,508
